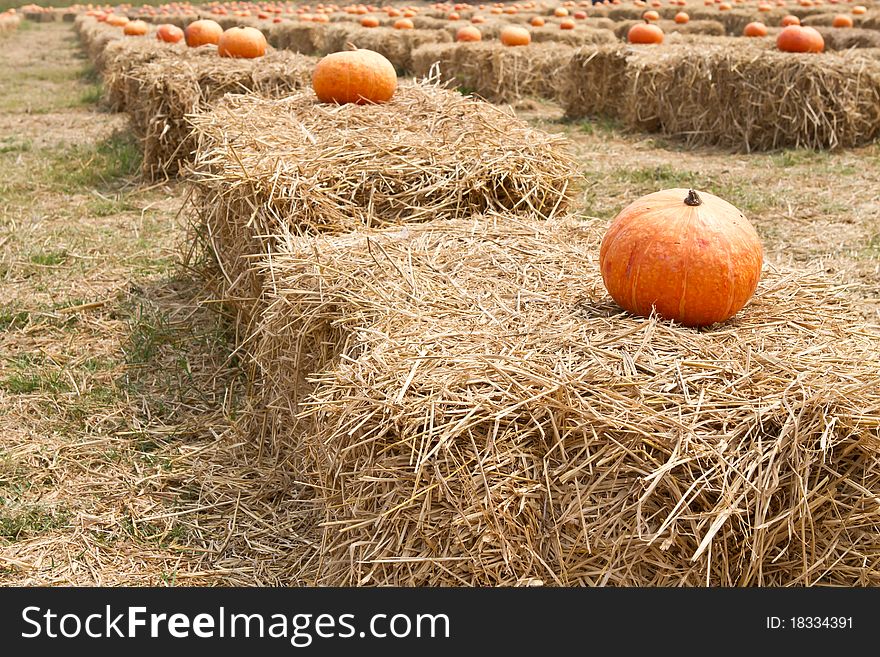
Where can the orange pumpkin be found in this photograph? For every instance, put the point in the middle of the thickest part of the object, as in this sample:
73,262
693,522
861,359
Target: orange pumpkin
135,28
789,20
566,24
559,12
403,24
681,18
202,32
537,21
651,16
468,33
169,33
242,42
755,29
858,10
644,33
842,20
796,38
691,256
369,21
354,76
116,20
514,35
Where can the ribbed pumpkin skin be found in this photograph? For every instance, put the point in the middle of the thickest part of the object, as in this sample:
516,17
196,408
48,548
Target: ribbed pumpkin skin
354,76
696,265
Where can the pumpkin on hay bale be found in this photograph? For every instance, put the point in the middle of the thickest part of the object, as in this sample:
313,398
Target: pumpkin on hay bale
427,153
469,407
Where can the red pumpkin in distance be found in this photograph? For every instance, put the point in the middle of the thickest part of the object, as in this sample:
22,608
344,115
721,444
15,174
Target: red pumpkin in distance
646,33
691,256
796,38
354,76
202,32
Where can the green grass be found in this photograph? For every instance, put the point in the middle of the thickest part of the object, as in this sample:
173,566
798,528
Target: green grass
95,165
11,319
31,521
48,258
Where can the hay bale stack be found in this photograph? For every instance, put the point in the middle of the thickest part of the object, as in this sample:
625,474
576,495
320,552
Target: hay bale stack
167,91
396,45
491,418
733,21
304,38
498,73
270,167
594,82
752,98
845,38
619,14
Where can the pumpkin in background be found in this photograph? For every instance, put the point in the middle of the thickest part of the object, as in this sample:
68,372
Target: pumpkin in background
796,38
116,20
690,255
468,33
169,33
755,29
354,76
842,20
403,24
681,18
651,16
789,20
369,21
242,42
202,32
514,35
537,21
566,24
135,28
644,33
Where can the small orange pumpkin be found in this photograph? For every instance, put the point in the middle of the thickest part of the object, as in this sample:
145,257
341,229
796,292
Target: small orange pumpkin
651,16
169,33
369,21
681,18
842,20
354,76
789,20
566,24
403,24
242,42
135,28
646,33
468,33
202,32
755,29
691,256
537,21
514,35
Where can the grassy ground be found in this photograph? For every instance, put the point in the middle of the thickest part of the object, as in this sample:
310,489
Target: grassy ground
121,461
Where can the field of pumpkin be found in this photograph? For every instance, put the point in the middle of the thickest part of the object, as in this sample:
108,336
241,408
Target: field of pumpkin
504,294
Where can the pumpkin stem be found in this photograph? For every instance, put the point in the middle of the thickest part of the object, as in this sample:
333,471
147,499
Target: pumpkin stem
693,199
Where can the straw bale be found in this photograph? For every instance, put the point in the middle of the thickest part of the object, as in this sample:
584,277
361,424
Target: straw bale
395,45
594,82
495,72
485,415
305,38
837,38
753,98
733,21
122,56
270,167
167,90
705,27
582,35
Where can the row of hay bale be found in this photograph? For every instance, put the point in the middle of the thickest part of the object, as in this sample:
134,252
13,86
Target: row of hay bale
159,84
438,364
749,98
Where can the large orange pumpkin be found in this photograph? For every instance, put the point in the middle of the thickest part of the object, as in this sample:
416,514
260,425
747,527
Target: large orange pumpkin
243,42
796,38
202,32
644,33
690,255
169,33
514,35
354,76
